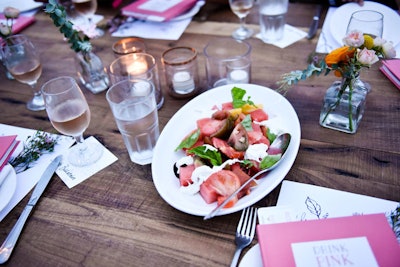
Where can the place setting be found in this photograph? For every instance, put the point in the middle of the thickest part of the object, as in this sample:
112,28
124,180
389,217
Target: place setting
338,18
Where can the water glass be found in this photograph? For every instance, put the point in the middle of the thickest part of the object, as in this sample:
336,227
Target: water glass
181,71
368,21
134,107
272,19
227,61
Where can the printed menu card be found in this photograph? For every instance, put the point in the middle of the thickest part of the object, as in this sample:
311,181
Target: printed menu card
362,240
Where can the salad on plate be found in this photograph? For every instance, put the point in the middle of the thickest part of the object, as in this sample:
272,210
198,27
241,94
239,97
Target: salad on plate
225,149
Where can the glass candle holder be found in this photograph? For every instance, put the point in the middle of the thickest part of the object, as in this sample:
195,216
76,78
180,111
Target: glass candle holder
128,45
181,71
228,61
137,66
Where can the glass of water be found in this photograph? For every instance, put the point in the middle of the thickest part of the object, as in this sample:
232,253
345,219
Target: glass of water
134,107
272,19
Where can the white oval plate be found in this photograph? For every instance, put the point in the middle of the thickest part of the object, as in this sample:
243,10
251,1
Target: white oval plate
341,17
184,121
7,189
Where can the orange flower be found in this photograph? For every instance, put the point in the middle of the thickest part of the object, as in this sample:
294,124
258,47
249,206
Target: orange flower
342,54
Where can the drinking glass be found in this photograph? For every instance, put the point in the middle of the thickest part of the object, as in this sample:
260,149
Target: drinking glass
69,114
87,8
241,8
23,63
367,21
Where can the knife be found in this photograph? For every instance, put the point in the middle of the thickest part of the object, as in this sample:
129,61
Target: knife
314,24
9,244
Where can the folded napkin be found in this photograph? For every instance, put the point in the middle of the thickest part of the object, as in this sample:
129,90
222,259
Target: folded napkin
4,173
20,23
26,180
290,36
391,68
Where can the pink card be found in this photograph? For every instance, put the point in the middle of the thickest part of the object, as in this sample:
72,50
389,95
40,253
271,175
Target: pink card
363,237
157,10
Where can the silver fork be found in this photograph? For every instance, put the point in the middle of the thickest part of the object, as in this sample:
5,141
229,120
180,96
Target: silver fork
244,232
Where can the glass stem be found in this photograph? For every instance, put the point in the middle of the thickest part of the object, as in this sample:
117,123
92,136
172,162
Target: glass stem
243,23
82,146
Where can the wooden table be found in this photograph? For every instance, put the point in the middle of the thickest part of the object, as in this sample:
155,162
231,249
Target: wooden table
117,218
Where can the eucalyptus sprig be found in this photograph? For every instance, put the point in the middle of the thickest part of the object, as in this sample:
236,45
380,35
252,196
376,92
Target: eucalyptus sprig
78,40
34,146
315,67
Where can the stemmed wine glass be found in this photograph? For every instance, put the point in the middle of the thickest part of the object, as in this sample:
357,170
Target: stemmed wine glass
241,8
367,21
87,8
23,63
69,114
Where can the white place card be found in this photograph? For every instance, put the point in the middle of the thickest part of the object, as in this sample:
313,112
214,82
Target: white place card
353,251
73,175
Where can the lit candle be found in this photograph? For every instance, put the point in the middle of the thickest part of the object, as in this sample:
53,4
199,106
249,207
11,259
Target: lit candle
137,67
182,82
238,76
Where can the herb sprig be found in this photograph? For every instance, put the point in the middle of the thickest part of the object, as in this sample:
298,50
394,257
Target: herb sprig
34,146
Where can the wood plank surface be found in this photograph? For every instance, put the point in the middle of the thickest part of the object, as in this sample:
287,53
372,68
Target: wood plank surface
117,217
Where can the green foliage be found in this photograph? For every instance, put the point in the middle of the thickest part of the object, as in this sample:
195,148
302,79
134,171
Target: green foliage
34,147
237,98
59,16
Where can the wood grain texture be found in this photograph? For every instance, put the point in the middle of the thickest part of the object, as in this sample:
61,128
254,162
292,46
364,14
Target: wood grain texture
117,218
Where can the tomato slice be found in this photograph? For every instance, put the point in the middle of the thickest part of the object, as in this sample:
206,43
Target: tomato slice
259,115
220,185
185,174
225,148
209,126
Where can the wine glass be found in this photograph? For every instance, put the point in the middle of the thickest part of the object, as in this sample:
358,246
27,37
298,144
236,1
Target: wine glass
241,8
87,9
367,21
69,114
23,63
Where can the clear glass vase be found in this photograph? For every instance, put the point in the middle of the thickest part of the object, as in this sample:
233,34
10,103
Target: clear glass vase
91,72
344,104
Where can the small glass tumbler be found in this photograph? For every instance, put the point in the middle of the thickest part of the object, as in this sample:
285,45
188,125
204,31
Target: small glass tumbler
181,71
137,66
227,61
128,45
133,105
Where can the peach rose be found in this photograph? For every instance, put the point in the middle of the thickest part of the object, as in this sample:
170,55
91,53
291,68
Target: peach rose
11,12
367,57
388,50
354,39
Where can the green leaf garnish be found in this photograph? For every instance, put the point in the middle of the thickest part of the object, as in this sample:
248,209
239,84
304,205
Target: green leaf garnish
246,122
269,161
237,98
205,153
270,135
189,141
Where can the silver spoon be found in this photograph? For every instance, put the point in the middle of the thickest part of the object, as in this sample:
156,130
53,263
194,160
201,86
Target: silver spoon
280,145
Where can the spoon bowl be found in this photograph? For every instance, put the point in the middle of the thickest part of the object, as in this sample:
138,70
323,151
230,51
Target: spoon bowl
278,146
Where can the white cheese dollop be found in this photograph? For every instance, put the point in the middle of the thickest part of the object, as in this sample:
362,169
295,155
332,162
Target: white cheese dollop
256,152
